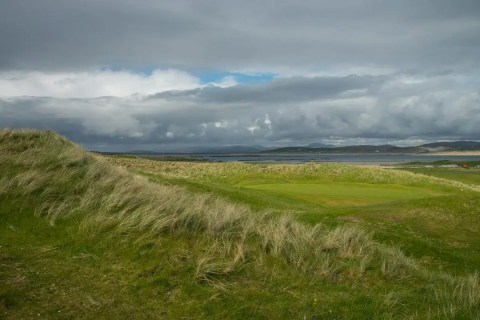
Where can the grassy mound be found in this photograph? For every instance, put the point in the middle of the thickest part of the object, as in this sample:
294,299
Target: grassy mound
201,254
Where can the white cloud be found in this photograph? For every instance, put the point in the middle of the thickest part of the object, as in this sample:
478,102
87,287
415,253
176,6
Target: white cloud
90,84
287,111
225,82
112,117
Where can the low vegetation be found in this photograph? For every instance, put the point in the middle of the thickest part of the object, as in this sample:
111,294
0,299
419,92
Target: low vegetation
203,240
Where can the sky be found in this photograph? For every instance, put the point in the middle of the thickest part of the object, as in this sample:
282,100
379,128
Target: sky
120,75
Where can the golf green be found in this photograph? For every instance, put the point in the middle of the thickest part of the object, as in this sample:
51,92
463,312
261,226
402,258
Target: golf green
344,194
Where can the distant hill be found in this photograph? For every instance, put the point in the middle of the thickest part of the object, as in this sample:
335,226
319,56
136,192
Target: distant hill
320,145
387,148
317,148
453,146
230,149
192,150
142,152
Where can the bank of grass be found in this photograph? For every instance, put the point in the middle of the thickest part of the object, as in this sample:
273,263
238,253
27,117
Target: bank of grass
206,255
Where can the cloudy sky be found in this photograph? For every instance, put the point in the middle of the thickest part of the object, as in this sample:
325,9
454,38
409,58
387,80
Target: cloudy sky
163,75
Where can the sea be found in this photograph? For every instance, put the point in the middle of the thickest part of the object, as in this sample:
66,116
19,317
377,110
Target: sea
363,158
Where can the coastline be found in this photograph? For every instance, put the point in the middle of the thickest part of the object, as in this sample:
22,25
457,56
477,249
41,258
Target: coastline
454,153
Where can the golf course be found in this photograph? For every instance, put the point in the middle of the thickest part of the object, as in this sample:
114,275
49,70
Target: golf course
89,236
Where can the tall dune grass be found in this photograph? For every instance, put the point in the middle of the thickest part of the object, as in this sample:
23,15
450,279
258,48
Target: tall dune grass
68,182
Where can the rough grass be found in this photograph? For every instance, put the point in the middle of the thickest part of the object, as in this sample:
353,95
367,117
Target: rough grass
111,197
327,171
67,183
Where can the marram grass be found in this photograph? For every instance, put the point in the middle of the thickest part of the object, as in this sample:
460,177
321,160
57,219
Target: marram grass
69,181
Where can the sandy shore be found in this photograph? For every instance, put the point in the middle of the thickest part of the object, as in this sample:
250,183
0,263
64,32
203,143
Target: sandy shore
455,153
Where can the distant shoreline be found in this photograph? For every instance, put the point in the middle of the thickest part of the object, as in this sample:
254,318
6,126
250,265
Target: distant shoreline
454,153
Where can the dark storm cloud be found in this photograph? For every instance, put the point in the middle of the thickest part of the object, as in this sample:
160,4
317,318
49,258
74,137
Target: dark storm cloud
394,108
280,90
270,35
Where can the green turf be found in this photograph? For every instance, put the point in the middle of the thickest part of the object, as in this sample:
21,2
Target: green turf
344,194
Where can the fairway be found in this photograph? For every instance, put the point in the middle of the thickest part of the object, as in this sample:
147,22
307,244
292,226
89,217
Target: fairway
471,176
345,194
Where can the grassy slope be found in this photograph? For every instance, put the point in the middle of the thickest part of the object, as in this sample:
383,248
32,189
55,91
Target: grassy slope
81,239
434,220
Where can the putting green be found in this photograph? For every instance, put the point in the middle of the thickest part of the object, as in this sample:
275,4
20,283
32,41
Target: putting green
344,194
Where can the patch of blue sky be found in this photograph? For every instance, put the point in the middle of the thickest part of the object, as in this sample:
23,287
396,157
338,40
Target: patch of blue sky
242,78
205,76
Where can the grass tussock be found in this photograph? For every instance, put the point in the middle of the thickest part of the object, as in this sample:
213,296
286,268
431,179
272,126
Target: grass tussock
394,263
459,298
68,182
